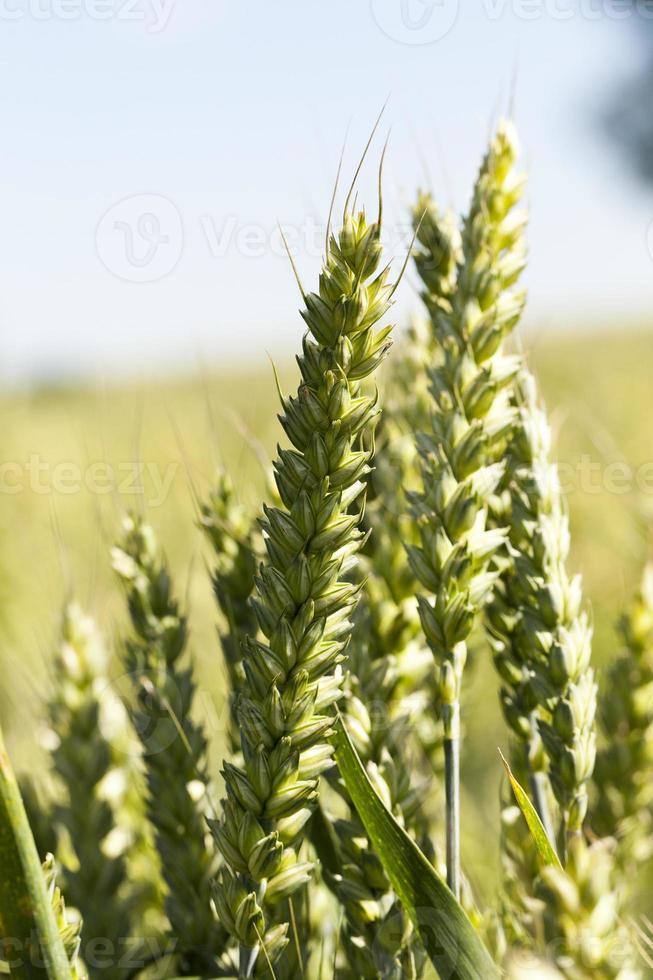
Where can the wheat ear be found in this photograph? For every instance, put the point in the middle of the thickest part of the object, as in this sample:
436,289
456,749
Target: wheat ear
389,664
303,602
235,545
460,453
543,644
82,710
624,790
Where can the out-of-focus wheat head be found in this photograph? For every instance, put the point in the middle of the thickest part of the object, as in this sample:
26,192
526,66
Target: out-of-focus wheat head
174,746
88,732
235,545
542,635
623,804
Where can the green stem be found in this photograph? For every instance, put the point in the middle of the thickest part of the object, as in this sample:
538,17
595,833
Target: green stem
248,958
32,942
452,790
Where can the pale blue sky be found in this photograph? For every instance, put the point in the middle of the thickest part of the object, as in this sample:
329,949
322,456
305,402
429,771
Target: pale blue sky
218,119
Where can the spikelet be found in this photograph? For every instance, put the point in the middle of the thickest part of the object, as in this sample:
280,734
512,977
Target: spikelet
69,926
571,920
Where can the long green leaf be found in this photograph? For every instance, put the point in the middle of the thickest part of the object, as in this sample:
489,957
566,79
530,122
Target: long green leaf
27,923
541,840
449,938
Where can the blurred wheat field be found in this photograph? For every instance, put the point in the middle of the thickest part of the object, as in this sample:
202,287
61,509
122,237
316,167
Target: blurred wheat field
70,456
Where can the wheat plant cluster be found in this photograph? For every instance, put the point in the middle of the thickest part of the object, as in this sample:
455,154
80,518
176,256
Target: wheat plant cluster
414,524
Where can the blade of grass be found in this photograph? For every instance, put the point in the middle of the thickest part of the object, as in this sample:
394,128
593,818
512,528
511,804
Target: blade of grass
543,844
453,945
27,922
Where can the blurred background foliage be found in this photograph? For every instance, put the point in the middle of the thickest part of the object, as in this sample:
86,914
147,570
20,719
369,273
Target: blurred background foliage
627,115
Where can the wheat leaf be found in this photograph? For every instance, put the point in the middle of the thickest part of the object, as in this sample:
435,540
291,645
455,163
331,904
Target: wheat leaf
449,938
541,840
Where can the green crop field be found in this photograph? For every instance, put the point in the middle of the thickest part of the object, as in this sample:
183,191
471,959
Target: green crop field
87,445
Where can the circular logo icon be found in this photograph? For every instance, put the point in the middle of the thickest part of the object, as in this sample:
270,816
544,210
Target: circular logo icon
415,21
140,239
151,702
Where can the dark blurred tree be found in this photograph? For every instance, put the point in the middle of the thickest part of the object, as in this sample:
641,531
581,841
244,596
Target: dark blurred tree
629,115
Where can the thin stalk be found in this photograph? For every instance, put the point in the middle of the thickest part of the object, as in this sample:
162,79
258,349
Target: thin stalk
452,790
27,922
570,834
247,959
451,725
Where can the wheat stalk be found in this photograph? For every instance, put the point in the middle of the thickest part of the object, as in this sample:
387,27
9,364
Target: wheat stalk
32,939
